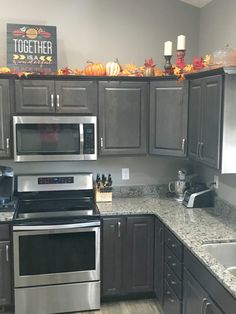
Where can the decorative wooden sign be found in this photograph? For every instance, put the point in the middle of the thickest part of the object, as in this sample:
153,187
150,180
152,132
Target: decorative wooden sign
32,48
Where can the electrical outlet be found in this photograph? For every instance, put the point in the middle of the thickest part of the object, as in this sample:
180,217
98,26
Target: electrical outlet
216,181
125,173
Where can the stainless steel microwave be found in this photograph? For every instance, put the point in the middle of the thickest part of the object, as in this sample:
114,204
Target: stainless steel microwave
55,138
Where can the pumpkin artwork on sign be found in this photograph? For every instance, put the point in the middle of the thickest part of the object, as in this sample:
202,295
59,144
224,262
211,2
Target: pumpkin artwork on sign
94,69
113,68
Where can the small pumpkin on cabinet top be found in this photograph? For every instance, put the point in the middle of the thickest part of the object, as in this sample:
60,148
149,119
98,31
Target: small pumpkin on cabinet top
94,69
113,68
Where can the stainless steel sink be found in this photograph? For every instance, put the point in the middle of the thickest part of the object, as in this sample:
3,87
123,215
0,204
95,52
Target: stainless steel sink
225,253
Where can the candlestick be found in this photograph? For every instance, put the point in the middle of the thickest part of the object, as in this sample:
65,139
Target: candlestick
168,65
181,42
168,48
180,63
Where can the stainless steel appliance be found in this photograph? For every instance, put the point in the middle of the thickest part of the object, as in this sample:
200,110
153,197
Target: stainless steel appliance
198,195
56,245
179,186
54,138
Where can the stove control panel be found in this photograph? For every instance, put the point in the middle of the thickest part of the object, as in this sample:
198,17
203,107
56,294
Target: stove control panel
55,180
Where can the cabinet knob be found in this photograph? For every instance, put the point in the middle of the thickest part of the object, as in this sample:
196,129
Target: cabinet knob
173,245
52,101
58,101
101,141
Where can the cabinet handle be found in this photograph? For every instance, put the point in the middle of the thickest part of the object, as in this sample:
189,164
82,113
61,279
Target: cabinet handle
58,101
203,306
101,141
118,228
168,275
173,245
7,143
173,282
200,150
173,264
52,101
169,257
7,253
183,145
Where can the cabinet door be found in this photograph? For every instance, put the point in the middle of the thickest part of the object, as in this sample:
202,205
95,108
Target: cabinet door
112,255
5,119
196,300
76,97
139,255
122,118
195,104
34,96
159,260
168,118
211,121
5,281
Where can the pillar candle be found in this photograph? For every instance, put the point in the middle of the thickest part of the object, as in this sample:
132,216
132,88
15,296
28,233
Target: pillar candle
168,48
181,42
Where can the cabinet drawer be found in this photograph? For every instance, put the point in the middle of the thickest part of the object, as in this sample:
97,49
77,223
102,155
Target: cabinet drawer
173,281
174,244
172,305
173,262
4,232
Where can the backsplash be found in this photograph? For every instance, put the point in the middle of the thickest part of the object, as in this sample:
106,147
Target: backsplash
140,191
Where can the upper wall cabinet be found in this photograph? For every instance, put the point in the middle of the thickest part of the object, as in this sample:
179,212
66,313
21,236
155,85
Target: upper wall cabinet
49,96
168,118
205,109
5,119
123,109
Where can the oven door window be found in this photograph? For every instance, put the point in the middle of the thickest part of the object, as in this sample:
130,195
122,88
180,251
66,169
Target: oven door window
44,139
57,253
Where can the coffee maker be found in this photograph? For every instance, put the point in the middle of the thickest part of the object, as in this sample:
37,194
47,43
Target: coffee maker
6,187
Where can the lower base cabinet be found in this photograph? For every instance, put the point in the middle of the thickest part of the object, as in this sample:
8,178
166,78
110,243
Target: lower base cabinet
196,299
127,255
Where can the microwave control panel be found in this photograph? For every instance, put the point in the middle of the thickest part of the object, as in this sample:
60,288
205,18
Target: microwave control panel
89,139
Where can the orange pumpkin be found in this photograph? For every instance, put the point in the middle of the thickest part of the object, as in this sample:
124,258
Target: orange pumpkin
113,68
94,69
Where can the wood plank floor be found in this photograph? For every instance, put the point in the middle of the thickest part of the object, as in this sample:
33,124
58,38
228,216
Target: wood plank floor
128,307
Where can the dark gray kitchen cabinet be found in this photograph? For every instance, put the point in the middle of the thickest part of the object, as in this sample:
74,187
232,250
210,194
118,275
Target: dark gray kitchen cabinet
196,300
139,254
5,266
112,256
60,96
205,111
127,255
159,260
123,117
5,118
168,118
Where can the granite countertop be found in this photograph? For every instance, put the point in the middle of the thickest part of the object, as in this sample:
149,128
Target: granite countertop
6,216
193,227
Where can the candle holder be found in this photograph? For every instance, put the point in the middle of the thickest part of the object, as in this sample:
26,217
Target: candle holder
180,63
168,65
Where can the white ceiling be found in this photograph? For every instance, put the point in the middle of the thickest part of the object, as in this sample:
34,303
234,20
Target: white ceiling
197,3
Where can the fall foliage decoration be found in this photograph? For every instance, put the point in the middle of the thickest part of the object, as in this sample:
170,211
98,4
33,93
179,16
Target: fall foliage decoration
113,68
94,69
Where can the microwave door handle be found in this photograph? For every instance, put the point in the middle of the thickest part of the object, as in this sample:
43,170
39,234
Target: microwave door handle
81,132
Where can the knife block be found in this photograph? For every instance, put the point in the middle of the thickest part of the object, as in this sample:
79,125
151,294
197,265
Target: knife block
103,195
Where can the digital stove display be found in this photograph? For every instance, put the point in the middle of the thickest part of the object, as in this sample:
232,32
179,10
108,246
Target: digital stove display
55,180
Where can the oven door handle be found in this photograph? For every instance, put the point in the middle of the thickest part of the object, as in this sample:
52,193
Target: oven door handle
57,227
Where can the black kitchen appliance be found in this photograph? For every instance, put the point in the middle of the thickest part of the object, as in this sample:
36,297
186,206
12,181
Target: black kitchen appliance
6,188
56,244
198,195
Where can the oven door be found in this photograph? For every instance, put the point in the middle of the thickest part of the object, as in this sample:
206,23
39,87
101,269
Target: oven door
56,254
51,138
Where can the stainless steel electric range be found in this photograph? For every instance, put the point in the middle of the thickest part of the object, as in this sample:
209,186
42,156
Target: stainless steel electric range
56,244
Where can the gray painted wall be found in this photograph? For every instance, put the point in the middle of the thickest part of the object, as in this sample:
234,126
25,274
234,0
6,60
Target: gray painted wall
131,30
217,28
101,30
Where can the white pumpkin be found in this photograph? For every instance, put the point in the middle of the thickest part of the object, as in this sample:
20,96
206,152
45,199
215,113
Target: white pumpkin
113,68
